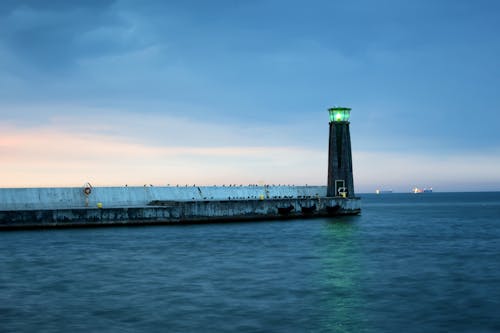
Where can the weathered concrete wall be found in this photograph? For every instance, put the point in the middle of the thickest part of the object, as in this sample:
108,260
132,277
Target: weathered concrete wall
73,197
180,212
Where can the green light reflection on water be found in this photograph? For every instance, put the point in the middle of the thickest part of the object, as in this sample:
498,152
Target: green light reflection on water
340,277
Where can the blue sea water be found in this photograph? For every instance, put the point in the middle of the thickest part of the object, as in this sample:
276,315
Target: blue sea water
412,263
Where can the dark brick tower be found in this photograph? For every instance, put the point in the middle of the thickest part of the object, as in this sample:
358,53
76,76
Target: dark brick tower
340,180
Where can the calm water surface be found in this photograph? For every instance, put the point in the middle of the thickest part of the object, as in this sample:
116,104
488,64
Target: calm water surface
413,263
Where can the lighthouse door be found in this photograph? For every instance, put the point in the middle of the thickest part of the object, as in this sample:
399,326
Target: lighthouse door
339,184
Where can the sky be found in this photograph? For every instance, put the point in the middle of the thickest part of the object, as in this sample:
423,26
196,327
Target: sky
237,92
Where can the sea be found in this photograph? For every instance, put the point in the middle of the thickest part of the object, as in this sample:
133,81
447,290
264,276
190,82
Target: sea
426,262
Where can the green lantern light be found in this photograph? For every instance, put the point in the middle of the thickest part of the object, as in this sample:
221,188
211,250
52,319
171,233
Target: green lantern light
338,114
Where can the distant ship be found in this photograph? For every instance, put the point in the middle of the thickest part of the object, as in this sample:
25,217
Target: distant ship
379,191
417,190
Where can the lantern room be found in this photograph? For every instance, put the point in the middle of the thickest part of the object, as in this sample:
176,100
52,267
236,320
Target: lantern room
339,114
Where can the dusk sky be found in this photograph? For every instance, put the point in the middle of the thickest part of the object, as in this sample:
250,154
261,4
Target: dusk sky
237,92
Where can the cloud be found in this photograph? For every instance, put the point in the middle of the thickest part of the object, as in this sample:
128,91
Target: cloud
165,129
67,153
51,36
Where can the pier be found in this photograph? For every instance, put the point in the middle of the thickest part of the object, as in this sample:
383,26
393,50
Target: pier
71,207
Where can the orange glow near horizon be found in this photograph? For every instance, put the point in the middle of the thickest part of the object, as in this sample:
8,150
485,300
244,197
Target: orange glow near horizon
51,157
45,158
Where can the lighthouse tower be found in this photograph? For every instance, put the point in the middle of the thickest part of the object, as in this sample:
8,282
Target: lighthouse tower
340,179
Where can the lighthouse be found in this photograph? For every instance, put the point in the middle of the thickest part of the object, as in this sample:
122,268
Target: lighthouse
340,179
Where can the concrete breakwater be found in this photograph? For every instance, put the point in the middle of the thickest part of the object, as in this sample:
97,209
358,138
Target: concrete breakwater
133,196
61,207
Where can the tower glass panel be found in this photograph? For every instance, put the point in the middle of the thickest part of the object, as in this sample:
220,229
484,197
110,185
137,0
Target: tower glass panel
338,114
